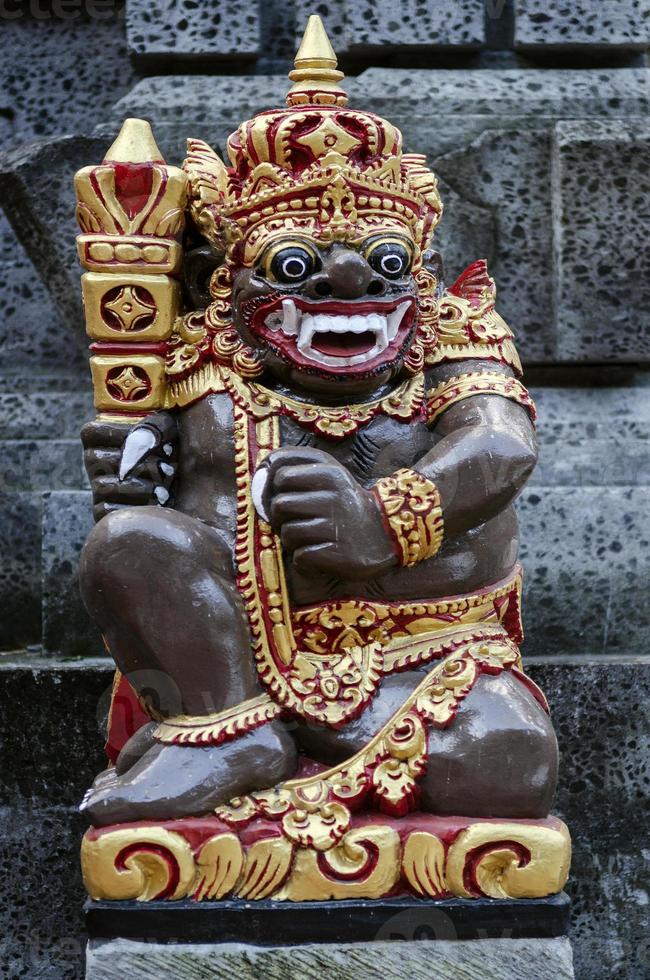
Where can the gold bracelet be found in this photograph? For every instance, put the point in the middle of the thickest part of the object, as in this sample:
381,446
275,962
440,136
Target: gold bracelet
412,511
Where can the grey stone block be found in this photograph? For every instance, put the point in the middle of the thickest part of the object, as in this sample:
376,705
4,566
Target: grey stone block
30,175
20,568
31,331
508,173
515,92
601,186
41,924
52,727
176,29
405,24
67,628
482,959
60,73
560,23
586,555
601,713
41,465
46,412
592,436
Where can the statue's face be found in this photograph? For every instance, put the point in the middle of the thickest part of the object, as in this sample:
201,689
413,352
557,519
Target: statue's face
324,314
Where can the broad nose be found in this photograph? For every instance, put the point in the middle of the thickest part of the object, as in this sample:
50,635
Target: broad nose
345,275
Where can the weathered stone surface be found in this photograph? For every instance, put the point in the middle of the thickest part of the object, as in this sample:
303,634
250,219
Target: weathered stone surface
592,436
20,572
358,25
483,959
67,520
31,332
601,712
39,172
51,727
601,188
508,174
39,409
61,73
176,29
41,925
559,93
560,23
586,554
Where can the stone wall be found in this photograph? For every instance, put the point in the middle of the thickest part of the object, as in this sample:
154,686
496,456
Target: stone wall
535,116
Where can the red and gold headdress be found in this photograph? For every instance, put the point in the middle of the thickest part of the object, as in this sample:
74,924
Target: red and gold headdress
314,168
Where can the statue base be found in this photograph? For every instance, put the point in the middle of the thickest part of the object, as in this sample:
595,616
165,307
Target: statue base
482,939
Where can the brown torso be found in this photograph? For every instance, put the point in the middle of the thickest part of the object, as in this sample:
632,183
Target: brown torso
206,490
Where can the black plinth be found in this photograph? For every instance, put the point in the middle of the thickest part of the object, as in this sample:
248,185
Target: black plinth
290,923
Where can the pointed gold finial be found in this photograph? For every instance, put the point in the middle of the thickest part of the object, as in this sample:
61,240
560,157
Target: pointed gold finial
315,77
135,143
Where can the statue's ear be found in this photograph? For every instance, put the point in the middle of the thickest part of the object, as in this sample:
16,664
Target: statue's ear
198,265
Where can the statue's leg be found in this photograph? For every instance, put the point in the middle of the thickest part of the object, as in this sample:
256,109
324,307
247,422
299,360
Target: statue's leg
498,758
159,585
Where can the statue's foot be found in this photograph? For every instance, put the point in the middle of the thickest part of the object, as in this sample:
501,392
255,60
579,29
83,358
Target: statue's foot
171,781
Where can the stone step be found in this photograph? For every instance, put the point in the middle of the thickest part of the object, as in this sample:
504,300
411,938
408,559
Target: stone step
51,741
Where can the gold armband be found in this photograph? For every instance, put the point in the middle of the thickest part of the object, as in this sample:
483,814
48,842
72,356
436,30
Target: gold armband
411,508
476,383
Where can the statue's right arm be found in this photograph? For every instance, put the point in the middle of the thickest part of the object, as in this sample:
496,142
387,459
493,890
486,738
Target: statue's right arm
131,465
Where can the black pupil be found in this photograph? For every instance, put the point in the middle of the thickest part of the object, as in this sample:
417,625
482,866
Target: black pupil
390,260
291,265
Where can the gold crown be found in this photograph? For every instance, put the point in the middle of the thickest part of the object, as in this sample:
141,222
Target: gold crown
314,168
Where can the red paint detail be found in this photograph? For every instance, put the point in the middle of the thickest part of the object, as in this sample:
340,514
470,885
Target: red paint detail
133,183
287,347
472,282
361,874
474,857
167,856
125,718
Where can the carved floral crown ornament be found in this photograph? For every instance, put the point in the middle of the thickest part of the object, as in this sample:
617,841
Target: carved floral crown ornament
314,167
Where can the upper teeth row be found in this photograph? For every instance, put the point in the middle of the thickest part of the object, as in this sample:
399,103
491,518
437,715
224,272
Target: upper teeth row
294,323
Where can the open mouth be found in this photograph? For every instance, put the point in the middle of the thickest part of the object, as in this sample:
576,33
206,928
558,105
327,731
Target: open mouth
337,334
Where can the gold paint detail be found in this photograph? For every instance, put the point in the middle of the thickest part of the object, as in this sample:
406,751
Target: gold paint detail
130,308
364,864
218,867
268,862
137,863
129,254
469,327
315,811
135,143
128,384
463,386
494,859
315,76
509,860
423,864
218,727
404,404
412,510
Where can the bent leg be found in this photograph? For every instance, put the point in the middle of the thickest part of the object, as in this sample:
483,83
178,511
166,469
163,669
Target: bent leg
498,758
160,585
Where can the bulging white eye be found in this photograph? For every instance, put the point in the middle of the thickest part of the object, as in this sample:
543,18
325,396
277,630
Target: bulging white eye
292,264
390,259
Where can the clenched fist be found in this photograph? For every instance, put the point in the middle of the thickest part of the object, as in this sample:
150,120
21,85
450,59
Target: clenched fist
324,517
130,465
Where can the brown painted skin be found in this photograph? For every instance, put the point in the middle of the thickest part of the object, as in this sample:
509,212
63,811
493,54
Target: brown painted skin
160,582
